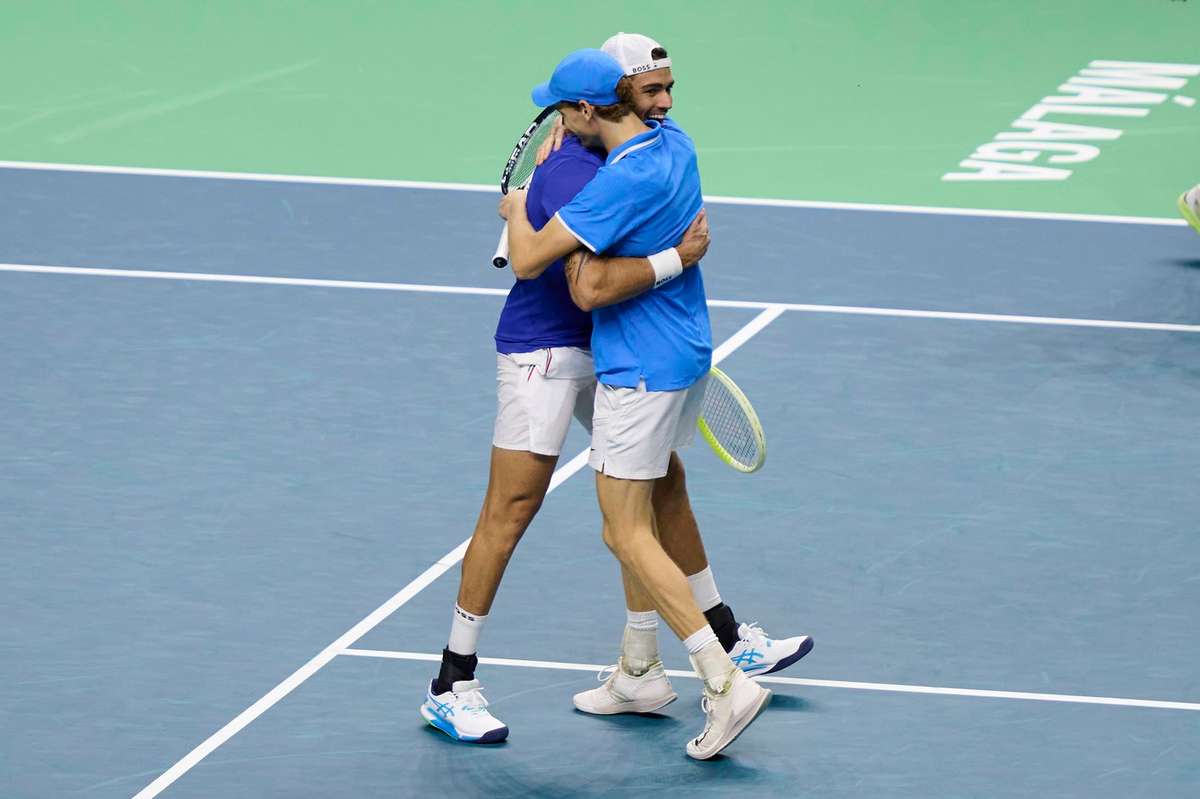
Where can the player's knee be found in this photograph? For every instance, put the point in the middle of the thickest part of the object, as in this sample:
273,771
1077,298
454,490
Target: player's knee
508,518
609,539
499,540
618,544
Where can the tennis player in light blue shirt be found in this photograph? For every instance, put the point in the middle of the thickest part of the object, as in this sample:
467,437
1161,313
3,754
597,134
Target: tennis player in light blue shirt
652,351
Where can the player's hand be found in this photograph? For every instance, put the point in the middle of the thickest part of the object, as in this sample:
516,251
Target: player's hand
552,143
509,201
695,241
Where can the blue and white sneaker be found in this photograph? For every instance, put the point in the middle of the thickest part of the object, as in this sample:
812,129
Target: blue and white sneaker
756,654
462,714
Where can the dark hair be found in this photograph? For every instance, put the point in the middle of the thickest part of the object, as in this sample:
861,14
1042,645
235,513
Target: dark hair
657,53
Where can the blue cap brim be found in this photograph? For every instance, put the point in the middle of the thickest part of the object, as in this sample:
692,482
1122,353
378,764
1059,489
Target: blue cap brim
543,97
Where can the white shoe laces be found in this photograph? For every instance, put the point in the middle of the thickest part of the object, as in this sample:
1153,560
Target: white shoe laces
607,672
755,634
472,701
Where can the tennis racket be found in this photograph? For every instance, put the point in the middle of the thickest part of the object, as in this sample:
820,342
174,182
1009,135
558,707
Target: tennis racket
730,425
519,169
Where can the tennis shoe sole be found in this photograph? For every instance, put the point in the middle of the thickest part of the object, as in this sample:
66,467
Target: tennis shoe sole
490,737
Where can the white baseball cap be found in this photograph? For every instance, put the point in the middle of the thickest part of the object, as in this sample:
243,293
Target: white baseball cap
633,53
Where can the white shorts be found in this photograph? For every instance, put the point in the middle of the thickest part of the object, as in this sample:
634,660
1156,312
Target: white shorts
635,430
537,393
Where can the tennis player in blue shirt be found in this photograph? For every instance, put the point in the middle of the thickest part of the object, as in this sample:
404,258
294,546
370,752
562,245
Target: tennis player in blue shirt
638,682
652,352
545,376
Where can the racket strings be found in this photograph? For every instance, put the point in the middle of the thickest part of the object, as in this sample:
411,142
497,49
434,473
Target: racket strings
728,423
522,172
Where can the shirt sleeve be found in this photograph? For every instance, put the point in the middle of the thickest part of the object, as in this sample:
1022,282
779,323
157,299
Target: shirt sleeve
604,212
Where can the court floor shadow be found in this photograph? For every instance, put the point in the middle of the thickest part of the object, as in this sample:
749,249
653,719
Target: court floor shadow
791,703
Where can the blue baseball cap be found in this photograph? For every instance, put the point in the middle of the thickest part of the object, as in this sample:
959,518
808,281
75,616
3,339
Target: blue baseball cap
587,74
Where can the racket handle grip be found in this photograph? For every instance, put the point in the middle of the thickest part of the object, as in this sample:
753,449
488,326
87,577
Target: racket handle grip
500,259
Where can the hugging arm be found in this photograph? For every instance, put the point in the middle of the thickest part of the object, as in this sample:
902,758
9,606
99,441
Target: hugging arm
596,281
531,251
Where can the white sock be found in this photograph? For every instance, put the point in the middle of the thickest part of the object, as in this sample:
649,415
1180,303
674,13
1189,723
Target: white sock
464,631
639,644
712,665
704,589
700,639
641,619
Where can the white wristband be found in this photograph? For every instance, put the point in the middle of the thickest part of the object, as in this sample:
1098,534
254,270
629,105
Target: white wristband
667,266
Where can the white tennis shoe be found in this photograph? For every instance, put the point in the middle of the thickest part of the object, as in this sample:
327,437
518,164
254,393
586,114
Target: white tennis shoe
462,714
624,693
756,654
728,713
1189,206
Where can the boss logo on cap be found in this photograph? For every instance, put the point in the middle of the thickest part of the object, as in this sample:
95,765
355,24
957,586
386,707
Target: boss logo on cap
653,65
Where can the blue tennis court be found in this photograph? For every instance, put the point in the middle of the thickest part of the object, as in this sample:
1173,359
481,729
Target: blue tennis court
234,489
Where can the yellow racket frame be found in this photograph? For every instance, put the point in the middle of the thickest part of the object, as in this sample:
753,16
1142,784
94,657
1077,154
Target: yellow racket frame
755,426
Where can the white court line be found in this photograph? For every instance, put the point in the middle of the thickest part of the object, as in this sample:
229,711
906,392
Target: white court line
434,289
489,188
857,686
444,564
259,279
249,176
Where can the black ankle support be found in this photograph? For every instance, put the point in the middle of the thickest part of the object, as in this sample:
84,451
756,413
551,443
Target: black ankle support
721,619
455,667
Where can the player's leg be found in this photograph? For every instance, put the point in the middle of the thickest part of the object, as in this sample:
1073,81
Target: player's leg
747,644
638,682
1189,206
629,533
733,701
534,413
516,485
639,644
631,444
627,690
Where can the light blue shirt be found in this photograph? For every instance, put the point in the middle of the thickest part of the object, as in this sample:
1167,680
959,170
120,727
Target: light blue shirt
640,202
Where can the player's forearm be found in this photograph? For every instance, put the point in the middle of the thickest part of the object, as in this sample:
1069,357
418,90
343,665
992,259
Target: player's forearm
597,281
522,246
530,251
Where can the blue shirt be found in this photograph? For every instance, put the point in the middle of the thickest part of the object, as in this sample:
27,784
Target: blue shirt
540,313
640,202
